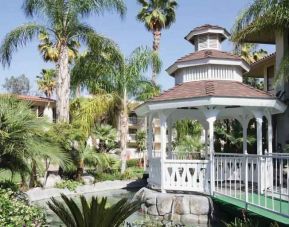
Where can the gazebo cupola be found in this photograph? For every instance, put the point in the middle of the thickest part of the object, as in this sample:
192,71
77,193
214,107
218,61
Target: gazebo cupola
208,62
207,37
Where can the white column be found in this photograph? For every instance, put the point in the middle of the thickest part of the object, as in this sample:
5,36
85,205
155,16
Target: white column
163,121
206,142
270,134
149,137
170,149
245,122
259,121
211,122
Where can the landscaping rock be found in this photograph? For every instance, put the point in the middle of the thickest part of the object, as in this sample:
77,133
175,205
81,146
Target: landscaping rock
188,219
164,204
199,205
181,205
51,180
152,210
87,179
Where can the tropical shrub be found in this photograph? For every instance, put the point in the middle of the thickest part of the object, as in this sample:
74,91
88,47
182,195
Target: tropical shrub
106,136
97,213
23,140
69,184
7,184
15,211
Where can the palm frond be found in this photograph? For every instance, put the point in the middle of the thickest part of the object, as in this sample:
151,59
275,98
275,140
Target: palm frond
18,37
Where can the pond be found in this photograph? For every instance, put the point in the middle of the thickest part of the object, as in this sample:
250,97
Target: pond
136,220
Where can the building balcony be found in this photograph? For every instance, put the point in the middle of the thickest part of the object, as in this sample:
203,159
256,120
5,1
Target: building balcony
133,121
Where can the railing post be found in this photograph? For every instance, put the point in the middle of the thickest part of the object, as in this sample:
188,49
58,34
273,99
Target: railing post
246,179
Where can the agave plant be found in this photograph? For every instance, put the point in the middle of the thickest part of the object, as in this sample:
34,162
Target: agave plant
97,213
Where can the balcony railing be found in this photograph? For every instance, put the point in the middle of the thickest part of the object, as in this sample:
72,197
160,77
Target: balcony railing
135,121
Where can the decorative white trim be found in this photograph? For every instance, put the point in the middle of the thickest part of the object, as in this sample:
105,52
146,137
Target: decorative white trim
208,30
207,61
273,104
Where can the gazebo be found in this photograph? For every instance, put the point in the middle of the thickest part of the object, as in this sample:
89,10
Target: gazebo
208,87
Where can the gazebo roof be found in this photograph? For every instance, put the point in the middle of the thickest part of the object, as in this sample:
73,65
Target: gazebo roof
205,57
217,88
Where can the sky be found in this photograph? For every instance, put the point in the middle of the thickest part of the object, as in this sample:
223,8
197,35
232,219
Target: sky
128,33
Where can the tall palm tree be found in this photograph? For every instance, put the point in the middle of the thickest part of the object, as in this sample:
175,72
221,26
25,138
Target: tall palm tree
46,82
157,15
120,78
49,51
63,26
97,213
264,15
23,143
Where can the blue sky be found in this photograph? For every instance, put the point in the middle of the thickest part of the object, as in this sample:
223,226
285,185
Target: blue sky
128,33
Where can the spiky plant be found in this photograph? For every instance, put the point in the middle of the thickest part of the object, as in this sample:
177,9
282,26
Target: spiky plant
97,213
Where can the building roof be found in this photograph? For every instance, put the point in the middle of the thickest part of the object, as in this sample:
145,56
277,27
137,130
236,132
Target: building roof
207,28
35,98
257,68
216,88
203,54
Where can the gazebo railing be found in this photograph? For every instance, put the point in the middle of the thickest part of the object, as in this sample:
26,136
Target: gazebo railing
186,175
257,180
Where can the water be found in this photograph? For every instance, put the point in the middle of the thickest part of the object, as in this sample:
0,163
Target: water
136,220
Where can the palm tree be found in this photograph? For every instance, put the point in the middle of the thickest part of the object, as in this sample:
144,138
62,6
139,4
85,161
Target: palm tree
46,82
249,52
106,135
264,15
157,15
120,78
63,25
49,51
23,143
97,213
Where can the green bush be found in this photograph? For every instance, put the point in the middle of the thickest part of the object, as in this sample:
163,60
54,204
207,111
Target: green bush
69,184
132,163
16,211
7,184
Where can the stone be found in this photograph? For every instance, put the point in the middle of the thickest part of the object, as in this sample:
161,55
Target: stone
87,179
164,204
189,219
181,205
199,205
204,219
51,180
152,210
176,218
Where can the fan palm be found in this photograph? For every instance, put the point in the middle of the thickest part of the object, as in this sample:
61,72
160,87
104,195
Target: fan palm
63,25
157,15
46,82
106,135
119,77
249,53
97,213
23,144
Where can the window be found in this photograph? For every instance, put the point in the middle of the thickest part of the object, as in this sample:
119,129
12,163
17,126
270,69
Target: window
270,78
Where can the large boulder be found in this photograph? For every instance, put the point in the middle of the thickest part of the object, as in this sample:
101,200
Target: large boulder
182,205
199,205
164,204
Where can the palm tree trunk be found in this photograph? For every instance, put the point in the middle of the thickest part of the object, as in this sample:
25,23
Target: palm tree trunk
80,170
156,48
123,131
63,86
33,176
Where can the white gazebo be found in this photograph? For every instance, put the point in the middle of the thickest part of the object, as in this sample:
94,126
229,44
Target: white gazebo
208,87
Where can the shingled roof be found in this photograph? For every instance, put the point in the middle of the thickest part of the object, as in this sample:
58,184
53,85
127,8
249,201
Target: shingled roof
34,98
204,54
210,88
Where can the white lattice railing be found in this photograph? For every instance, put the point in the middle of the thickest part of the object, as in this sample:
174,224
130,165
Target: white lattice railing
186,175
258,180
